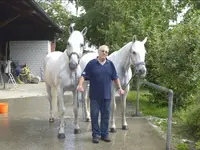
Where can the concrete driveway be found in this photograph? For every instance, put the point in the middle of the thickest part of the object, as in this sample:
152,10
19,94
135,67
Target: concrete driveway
26,126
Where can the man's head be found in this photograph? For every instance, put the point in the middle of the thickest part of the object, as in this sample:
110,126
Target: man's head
103,52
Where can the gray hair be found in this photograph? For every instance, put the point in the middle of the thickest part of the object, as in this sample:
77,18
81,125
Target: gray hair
103,47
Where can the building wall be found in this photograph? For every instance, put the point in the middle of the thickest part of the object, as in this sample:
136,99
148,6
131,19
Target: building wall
30,52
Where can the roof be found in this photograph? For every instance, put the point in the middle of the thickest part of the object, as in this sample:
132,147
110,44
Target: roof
25,20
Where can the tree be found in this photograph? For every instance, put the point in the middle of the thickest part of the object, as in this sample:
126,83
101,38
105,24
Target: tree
114,22
176,63
57,11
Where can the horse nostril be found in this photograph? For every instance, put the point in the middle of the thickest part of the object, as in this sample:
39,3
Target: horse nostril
141,71
73,66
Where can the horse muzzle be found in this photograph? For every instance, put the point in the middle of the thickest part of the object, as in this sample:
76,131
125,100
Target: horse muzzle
141,72
73,66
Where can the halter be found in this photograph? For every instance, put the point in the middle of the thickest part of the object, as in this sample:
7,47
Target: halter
74,53
138,64
79,57
135,65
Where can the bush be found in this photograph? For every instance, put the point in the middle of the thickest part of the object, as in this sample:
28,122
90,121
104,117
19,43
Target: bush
183,146
193,122
174,62
197,145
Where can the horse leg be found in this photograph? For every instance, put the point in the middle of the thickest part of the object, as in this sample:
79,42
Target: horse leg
75,108
123,106
48,89
61,134
113,108
86,102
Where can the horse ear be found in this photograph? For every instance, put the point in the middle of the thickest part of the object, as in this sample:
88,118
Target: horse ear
144,41
84,31
71,28
134,38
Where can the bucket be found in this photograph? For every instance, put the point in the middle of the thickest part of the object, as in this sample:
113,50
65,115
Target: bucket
3,108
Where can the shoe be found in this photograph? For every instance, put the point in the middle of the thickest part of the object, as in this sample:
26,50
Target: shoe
95,140
106,139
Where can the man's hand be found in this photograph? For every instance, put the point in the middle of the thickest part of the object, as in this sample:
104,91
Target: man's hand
121,91
80,88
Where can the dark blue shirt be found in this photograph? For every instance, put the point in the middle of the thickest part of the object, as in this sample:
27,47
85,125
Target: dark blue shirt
100,77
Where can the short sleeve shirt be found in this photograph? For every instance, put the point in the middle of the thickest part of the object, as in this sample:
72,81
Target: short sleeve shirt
100,77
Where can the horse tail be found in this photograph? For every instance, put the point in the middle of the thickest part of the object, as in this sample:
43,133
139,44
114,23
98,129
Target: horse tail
54,100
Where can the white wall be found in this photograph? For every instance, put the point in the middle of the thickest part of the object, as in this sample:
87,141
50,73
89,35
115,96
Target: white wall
30,52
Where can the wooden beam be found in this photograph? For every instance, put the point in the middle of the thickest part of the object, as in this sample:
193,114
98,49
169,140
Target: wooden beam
9,20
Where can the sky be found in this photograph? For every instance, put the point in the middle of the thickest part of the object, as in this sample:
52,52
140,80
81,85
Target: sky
180,16
72,9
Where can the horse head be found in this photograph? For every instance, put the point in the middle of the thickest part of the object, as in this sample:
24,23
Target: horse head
75,46
137,56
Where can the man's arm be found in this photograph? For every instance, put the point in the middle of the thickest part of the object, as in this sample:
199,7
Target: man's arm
81,80
80,84
117,82
119,87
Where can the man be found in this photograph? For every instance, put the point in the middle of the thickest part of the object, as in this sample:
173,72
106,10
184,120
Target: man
100,72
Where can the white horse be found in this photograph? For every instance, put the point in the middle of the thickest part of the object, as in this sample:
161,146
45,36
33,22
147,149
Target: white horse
133,53
61,72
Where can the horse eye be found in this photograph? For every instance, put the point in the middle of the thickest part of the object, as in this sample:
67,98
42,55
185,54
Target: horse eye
82,45
134,52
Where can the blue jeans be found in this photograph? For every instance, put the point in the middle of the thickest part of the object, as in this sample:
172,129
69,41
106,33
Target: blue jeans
102,106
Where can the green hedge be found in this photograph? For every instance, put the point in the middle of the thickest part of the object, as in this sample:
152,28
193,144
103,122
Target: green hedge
174,62
193,122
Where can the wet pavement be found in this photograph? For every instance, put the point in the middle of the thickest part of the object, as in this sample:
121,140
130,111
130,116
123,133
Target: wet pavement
26,127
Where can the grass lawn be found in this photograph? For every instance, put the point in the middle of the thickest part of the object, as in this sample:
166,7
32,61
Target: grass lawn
147,108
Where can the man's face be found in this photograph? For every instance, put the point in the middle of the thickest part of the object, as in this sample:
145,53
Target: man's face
103,53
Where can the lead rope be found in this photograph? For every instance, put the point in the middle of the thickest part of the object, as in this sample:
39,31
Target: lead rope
76,83
81,100
139,63
123,88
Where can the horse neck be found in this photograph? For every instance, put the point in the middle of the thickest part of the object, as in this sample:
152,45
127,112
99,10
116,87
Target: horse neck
66,58
65,55
124,54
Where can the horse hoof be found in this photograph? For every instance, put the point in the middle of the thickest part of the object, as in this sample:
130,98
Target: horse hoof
51,120
124,127
77,131
113,130
87,120
61,135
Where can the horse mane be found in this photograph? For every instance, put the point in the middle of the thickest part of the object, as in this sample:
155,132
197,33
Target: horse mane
120,52
121,49
127,46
